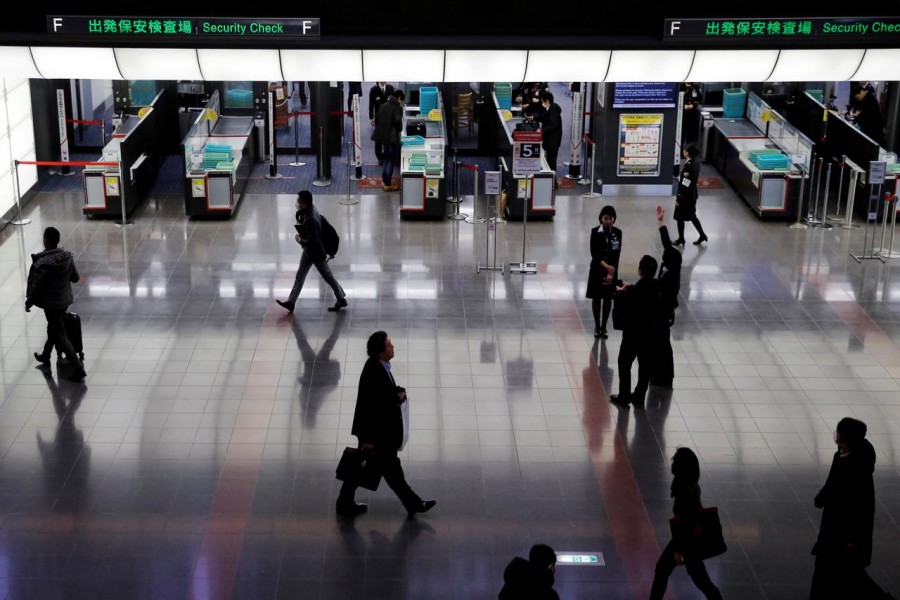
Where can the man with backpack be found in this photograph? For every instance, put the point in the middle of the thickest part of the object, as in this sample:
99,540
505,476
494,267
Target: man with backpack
310,236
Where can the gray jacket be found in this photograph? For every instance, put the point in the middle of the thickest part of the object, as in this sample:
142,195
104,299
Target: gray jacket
50,279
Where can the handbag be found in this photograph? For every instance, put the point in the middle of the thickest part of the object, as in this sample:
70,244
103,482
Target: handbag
701,533
360,467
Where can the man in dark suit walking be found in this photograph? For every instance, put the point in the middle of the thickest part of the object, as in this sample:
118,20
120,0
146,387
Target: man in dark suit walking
379,427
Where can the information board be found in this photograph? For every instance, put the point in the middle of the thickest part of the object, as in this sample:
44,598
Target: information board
639,145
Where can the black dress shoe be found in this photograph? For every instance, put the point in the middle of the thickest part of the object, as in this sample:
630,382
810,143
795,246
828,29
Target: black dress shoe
702,239
603,334
597,332
338,305
619,400
286,305
678,242
423,506
350,509
44,360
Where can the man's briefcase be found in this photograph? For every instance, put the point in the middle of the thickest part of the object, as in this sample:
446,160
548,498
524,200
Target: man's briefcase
359,467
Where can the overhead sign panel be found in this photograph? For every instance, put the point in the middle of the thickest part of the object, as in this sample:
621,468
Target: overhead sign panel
784,29
161,28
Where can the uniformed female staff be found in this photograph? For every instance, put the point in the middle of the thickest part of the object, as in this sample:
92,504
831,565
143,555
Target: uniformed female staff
686,198
606,246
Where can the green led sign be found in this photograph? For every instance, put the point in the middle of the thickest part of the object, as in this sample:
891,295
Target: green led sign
161,28
781,29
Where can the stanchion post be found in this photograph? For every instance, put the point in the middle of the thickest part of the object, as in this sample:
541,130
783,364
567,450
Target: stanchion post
821,223
349,201
800,224
321,180
273,158
851,199
837,216
591,194
456,216
814,208
475,218
893,208
125,220
20,220
297,162
524,266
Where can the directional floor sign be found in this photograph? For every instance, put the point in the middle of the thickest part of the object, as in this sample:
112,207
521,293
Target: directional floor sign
581,559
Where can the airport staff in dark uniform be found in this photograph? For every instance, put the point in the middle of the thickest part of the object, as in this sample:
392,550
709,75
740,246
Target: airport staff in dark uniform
686,198
868,119
378,95
551,129
606,247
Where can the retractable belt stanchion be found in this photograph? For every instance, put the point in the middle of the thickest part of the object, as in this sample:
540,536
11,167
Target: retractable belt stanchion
838,216
296,116
800,224
811,219
587,176
851,199
889,206
348,201
56,163
357,139
20,220
125,220
868,252
524,266
821,223
590,173
322,179
456,216
273,154
489,224
499,215
474,218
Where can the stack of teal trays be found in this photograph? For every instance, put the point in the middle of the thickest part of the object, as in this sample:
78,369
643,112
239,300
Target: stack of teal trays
768,158
428,99
733,100
503,92
214,155
417,161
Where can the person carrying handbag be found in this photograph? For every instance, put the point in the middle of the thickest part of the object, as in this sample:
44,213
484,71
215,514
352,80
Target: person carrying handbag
685,490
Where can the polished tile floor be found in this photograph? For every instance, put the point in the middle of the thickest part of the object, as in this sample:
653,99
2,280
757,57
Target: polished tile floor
197,460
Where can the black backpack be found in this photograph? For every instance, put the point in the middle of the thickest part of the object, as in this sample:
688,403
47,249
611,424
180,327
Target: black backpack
330,238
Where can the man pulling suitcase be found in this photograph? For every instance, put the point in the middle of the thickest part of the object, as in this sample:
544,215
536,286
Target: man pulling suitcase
50,282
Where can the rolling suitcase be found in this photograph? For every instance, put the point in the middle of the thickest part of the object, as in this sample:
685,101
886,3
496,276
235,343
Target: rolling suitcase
73,332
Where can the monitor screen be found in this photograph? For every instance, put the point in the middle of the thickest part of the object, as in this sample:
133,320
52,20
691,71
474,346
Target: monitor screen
645,95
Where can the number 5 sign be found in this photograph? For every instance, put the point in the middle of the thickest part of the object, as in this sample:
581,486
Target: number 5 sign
526,153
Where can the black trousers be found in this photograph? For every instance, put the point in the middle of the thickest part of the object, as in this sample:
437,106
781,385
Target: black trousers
839,578
634,347
56,335
551,154
695,569
393,475
664,365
